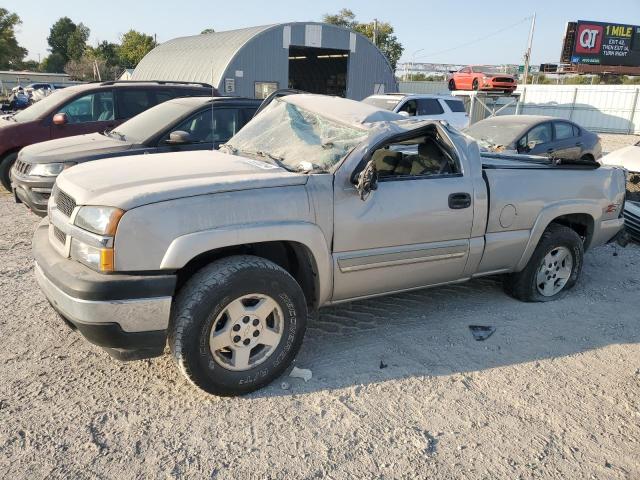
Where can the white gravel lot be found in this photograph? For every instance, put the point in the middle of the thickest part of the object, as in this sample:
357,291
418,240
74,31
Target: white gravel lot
554,393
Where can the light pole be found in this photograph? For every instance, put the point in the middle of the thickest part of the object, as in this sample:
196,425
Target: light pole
527,55
413,60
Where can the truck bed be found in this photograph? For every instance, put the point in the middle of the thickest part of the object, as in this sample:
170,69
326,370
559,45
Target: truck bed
515,161
521,189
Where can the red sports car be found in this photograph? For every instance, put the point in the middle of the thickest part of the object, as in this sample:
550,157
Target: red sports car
482,77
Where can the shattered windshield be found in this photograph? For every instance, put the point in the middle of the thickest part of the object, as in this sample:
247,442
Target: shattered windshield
295,139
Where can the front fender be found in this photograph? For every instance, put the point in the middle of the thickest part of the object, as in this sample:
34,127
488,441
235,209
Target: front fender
186,247
550,213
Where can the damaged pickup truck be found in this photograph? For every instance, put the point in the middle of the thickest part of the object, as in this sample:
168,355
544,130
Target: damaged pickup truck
318,200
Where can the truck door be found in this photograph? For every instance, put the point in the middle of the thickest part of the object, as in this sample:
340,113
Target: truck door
413,230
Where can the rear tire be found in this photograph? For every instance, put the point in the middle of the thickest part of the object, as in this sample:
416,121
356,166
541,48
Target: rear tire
5,168
219,314
548,276
475,85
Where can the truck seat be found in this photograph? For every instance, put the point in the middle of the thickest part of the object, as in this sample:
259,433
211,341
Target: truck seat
386,161
430,159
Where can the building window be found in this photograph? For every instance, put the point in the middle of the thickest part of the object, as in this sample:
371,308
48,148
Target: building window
264,89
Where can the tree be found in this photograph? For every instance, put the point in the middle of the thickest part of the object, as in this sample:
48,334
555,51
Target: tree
59,35
77,42
385,40
54,63
11,53
133,47
207,30
91,67
109,52
30,65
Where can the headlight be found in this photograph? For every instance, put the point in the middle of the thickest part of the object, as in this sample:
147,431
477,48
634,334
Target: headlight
100,259
48,169
100,220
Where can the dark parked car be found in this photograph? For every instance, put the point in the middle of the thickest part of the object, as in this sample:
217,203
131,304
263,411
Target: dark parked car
536,135
197,123
87,108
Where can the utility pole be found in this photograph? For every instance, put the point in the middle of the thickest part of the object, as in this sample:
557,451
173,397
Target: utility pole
527,54
375,32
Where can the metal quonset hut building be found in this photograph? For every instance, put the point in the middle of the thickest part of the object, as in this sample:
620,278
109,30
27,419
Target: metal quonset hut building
253,62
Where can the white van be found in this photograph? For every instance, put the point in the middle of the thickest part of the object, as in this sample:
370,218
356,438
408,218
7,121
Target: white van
424,106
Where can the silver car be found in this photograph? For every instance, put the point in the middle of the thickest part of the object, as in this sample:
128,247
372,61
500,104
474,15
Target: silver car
537,135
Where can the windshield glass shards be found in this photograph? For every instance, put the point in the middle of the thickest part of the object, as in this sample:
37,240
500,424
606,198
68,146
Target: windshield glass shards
296,139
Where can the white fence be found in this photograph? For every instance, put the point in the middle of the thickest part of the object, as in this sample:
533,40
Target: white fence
423,87
600,108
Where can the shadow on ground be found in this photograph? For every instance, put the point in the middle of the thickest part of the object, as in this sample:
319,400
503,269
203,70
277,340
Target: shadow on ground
426,332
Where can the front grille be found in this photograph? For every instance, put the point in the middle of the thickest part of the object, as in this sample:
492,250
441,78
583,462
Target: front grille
59,234
22,167
633,187
64,202
503,79
632,223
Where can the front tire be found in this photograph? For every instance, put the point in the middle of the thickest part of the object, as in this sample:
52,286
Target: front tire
5,167
237,324
553,269
475,85
452,85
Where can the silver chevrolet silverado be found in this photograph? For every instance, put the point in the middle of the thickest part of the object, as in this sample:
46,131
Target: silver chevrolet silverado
318,200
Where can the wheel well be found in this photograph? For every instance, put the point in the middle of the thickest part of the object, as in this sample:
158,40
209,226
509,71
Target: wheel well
581,223
588,156
293,257
9,152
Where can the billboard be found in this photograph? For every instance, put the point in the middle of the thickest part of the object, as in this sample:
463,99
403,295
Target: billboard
599,43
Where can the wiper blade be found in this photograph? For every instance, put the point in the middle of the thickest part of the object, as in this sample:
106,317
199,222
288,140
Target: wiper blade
227,146
120,135
274,159
277,160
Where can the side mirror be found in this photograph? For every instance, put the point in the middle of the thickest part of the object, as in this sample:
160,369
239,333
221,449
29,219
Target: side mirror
179,137
367,180
404,113
60,119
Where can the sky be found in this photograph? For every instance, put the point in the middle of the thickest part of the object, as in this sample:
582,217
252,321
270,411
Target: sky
457,32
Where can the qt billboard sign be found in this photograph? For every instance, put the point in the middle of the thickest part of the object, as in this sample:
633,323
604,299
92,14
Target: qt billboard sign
598,43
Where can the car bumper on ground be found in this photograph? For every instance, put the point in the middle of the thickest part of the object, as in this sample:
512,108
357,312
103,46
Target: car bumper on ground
632,220
608,231
34,192
128,315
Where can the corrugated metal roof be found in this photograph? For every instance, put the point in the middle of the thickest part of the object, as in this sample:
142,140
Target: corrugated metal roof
201,58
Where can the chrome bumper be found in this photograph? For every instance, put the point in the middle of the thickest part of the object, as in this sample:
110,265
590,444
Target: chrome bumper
139,315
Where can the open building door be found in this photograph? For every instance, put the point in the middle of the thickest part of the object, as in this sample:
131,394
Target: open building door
318,70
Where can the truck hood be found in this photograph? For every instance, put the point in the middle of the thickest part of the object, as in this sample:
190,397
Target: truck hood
627,157
131,181
73,149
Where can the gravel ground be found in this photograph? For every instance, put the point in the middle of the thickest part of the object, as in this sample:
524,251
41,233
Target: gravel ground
612,141
554,393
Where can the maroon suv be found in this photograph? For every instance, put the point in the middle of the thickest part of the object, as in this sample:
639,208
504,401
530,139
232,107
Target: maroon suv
87,108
